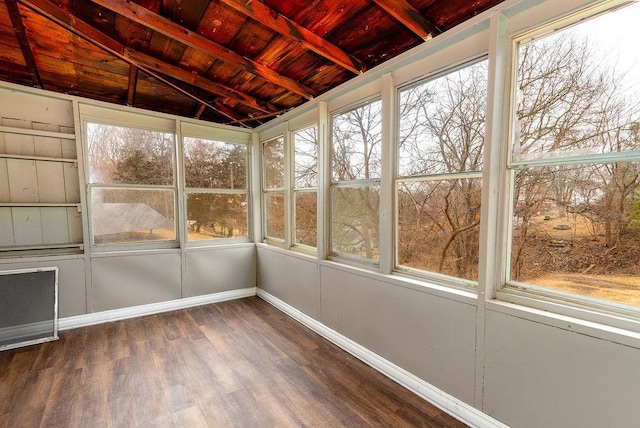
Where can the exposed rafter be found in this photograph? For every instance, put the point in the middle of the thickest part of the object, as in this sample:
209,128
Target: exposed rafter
194,40
410,17
23,41
148,64
201,110
133,79
287,28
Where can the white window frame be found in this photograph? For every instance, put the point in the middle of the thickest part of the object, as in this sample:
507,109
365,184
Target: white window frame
272,240
117,118
296,190
352,184
578,307
415,272
221,191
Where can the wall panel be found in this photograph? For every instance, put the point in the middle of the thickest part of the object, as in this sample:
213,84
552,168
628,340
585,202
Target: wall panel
213,270
429,336
123,280
540,376
291,278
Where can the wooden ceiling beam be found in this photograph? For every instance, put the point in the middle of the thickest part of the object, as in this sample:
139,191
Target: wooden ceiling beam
410,17
146,63
155,22
288,28
23,41
201,110
133,80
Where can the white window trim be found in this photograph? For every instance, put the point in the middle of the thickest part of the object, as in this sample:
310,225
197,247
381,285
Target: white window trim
118,118
229,137
600,314
295,190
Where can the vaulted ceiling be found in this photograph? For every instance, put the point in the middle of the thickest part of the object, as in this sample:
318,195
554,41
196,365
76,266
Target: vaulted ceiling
238,62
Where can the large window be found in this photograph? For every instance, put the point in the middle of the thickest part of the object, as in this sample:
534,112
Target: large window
273,187
355,186
575,162
440,154
216,181
131,179
305,185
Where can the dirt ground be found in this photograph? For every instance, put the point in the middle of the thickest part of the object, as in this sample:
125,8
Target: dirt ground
575,260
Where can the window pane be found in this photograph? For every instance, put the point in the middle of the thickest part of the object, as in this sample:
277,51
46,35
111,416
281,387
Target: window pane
215,215
119,155
305,145
215,164
126,215
438,226
273,158
576,229
306,226
355,221
274,211
357,142
577,89
442,123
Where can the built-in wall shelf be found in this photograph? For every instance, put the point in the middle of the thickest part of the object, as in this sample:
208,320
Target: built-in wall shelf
37,158
41,247
40,193
38,205
37,132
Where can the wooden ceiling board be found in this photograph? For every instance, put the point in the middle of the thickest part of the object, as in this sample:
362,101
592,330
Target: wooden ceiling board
220,23
18,73
9,46
321,16
448,14
369,32
102,19
69,48
289,58
162,46
186,13
146,97
196,61
252,39
276,54
132,34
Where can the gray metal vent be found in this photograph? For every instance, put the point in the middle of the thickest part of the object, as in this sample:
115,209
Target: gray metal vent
28,307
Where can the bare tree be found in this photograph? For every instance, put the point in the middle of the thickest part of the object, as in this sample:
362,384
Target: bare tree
356,156
442,132
572,102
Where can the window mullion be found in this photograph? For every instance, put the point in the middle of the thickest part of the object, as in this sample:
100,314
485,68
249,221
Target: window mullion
386,217
289,216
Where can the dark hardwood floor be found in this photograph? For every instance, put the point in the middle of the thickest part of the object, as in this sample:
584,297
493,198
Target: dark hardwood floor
239,363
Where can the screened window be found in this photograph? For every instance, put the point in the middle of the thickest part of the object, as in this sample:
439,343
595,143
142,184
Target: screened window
305,185
575,162
216,181
131,179
273,182
438,188
355,187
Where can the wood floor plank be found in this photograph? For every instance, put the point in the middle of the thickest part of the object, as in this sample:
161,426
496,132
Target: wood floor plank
240,363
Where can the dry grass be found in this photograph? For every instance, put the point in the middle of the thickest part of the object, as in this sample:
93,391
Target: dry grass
614,288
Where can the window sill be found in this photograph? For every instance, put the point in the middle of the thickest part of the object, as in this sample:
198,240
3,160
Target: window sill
583,320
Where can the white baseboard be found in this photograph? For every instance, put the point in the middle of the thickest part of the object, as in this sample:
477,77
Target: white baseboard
446,402
152,308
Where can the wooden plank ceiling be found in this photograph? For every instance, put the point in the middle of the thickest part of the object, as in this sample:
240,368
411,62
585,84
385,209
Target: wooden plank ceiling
238,62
